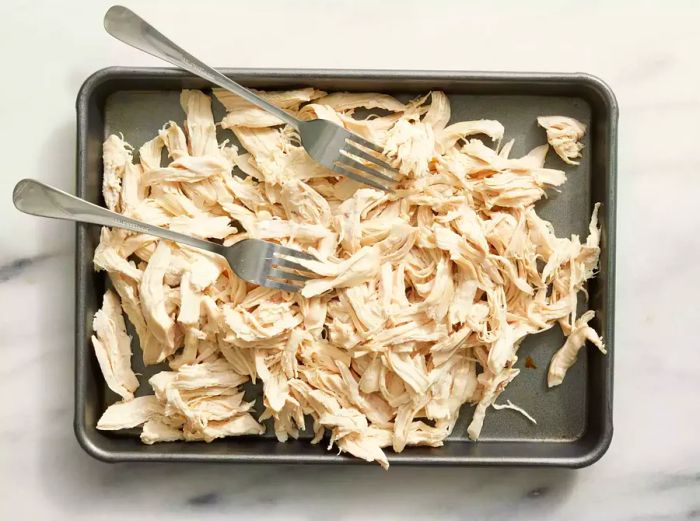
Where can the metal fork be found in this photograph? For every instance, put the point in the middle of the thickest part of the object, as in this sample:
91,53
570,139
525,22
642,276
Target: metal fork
256,261
339,150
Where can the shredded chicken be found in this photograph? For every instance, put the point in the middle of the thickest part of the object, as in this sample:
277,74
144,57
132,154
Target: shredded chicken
566,356
564,135
423,295
113,347
510,405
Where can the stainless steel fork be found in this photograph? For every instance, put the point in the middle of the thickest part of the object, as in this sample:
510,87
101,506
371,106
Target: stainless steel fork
339,150
260,262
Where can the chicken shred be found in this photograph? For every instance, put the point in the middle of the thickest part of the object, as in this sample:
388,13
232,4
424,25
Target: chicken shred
564,134
113,347
423,295
566,356
510,405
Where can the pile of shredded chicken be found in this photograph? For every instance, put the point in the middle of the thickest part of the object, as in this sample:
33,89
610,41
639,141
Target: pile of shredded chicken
423,297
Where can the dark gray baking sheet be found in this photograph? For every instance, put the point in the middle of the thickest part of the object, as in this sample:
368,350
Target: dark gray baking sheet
574,420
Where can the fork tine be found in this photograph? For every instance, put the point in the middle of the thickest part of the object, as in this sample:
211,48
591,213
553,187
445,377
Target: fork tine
284,263
368,144
352,163
360,150
279,274
357,163
356,177
281,285
291,252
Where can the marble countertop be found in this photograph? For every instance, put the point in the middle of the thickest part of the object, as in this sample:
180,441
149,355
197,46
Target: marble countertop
646,51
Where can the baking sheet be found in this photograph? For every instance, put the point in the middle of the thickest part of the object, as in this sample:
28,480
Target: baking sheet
574,420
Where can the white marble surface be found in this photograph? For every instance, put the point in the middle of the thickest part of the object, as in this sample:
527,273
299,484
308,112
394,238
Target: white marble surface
648,52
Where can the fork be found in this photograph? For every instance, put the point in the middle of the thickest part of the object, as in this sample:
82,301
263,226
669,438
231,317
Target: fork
334,147
256,261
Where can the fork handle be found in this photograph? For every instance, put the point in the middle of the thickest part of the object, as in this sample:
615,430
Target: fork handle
35,198
128,27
